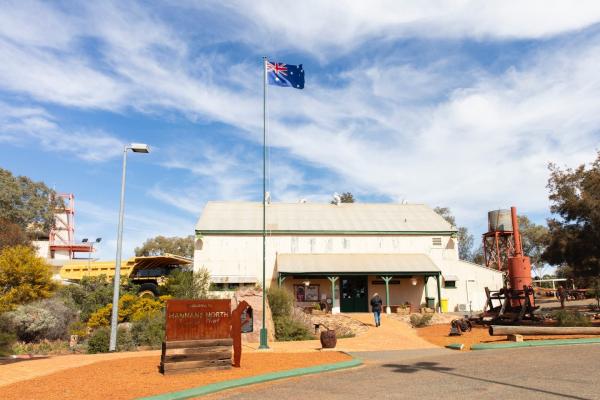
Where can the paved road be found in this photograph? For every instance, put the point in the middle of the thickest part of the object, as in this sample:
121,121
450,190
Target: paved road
567,372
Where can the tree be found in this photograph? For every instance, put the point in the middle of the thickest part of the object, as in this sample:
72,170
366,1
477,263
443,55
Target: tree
464,238
346,197
11,235
534,239
159,245
23,277
26,203
188,284
575,228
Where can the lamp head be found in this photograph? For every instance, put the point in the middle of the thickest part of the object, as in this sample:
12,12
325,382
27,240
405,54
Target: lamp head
98,240
139,148
84,240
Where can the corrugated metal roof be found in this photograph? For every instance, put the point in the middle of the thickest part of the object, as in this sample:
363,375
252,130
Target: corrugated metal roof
306,217
355,263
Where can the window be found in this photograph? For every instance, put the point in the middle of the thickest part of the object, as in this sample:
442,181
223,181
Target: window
450,284
436,241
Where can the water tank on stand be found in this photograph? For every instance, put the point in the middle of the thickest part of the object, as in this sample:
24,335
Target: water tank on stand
499,220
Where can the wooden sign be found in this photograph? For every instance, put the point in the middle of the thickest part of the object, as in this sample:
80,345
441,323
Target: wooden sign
200,335
198,319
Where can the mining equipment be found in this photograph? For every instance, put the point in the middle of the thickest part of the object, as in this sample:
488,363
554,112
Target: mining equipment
149,272
503,250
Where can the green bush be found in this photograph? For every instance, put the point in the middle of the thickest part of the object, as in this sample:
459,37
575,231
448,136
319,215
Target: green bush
280,301
149,331
288,329
100,339
571,318
46,319
7,337
6,342
93,293
420,320
182,284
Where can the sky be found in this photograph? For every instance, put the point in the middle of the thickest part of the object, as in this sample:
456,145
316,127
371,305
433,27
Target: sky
460,104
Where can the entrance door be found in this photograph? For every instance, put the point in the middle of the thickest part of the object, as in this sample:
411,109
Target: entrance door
354,294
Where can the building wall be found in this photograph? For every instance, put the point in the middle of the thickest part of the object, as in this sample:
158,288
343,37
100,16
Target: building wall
242,255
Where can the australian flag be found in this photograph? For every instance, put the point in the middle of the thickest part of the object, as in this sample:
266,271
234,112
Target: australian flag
280,74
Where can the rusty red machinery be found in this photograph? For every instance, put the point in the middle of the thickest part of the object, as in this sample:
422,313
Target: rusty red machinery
503,249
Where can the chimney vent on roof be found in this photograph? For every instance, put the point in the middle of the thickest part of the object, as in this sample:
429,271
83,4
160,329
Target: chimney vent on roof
337,198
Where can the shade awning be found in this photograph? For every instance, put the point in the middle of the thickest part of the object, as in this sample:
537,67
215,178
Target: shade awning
450,277
400,264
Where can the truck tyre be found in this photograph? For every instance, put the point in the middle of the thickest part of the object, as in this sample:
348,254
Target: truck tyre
148,290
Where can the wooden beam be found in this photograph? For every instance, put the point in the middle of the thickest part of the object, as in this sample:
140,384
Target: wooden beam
502,330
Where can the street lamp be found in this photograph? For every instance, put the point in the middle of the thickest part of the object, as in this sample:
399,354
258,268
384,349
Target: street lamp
90,250
136,148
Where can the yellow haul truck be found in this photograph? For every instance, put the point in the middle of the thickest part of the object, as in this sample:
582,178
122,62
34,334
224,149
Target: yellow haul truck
148,272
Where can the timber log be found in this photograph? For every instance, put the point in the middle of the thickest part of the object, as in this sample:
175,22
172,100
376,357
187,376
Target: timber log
502,330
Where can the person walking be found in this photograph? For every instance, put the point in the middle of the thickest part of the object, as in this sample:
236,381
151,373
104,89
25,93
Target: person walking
376,307
562,295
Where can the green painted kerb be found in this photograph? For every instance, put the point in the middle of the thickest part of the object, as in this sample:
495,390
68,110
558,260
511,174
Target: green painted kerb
217,387
534,343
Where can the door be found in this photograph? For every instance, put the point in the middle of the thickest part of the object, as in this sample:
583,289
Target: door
354,294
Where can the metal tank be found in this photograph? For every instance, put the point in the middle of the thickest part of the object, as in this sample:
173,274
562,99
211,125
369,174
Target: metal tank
499,220
519,266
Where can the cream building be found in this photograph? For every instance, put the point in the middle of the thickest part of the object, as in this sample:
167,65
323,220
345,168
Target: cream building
342,254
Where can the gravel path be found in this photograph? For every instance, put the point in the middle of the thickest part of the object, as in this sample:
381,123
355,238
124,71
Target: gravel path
129,378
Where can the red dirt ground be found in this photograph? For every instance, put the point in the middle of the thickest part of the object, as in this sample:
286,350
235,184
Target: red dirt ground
137,377
438,335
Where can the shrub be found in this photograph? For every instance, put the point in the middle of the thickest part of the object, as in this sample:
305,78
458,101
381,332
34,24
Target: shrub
420,320
100,339
287,329
78,328
6,342
46,319
280,302
44,347
149,331
286,326
101,317
93,293
7,337
131,308
24,277
571,318
188,284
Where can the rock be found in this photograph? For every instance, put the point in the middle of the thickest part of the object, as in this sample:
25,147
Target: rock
254,298
515,338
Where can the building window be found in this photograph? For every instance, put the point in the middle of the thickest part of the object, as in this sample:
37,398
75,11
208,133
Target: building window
436,241
449,284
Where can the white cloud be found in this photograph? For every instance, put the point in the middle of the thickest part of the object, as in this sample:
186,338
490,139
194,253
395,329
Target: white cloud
325,28
442,133
26,126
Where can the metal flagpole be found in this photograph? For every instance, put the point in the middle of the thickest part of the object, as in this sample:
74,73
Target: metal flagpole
263,330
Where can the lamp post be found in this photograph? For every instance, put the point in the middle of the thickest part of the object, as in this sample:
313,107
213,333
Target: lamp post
90,250
136,148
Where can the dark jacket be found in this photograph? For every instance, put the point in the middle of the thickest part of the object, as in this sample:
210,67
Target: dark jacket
376,303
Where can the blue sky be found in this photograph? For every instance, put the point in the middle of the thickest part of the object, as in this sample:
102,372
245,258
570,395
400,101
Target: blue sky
458,104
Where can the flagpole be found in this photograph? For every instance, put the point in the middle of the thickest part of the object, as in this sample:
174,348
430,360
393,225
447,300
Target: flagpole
263,330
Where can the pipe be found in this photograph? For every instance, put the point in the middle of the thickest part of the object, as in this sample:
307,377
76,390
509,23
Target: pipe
502,330
517,235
